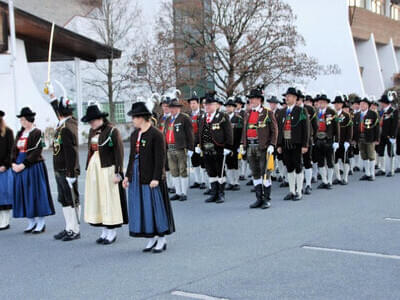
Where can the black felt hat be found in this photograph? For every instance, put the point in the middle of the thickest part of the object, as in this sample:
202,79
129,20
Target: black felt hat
323,97
139,109
175,103
2,114
366,100
26,112
258,92
230,102
291,91
273,99
194,97
239,100
211,98
385,99
93,112
338,99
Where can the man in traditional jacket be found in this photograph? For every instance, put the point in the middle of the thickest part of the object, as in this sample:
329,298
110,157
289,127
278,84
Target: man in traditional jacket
66,166
180,143
259,141
293,142
389,123
346,136
366,135
216,141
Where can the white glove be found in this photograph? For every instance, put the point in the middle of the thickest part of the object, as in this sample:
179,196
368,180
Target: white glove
392,141
335,146
227,151
346,146
71,181
270,149
190,153
241,150
197,150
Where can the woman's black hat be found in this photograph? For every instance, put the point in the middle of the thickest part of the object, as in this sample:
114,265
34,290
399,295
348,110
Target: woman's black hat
26,112
139,109
93,112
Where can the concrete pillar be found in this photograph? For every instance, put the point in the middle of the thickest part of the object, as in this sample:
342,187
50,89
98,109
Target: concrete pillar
388,61
369,61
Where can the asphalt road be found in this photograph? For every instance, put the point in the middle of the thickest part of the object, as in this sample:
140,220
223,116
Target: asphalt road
223,251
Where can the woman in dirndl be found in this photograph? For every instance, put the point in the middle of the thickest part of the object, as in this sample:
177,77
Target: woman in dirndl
150,213
6,176
105,199
32,196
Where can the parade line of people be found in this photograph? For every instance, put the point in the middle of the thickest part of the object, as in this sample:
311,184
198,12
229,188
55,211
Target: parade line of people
223,142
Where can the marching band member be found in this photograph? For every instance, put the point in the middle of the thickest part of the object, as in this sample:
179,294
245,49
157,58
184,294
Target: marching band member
259,140
66,166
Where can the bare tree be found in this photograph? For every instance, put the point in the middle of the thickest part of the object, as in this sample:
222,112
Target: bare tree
114,24
241,43
154,61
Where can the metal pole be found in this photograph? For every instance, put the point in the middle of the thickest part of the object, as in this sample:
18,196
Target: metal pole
78,88
13,57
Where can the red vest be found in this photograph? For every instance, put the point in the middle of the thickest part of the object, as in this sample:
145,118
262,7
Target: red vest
253,120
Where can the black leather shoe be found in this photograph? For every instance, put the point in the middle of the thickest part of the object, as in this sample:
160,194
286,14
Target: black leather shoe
71,236
325,186
273,178
61,235
313,180
265,205
160,250
343,182
280,179
242,178
171,190
356,169
371,178
364,178
150,248
108,242
307,190
284,184
175,197
30,230
183,198
236,187
207,192
195,185
213,193
202,186
351,173
5,228
380,173
253,190
289,196
221,193
100,240
229,187
389,175
336,181
249,183
397,170
39,231
319,177
297,197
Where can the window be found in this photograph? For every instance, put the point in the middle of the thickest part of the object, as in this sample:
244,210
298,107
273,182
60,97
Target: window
358,3
142,69
378,6
395,12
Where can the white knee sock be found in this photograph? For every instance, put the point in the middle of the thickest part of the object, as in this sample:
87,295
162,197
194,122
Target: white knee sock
203,176
104,232
177,185
169,179
337,172
67,217
308,176
323,173
184,185
2,219
74,222
292,182
330,175
346,170
236,177
367,168
196,174
372,168
315,171
299,183
381,163
389,165
31,223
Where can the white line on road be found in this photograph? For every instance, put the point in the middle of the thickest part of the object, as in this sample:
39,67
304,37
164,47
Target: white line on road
380,255
392,219
195,296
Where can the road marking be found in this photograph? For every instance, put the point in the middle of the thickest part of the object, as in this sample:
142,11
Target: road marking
392,219
380,255
195,296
